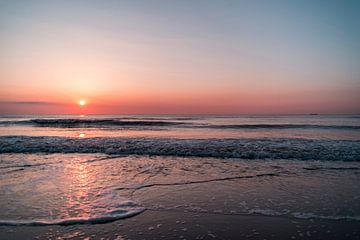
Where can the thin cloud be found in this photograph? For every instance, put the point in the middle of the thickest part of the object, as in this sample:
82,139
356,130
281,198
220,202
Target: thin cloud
29,103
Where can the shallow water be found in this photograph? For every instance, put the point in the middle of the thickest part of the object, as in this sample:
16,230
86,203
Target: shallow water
93,169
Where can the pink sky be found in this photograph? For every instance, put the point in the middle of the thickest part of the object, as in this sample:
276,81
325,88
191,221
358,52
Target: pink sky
124,58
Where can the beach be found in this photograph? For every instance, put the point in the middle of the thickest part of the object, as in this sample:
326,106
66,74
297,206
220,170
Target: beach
127,120
180,225
151,178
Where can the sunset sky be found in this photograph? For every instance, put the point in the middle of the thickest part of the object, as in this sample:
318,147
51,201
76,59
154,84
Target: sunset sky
179,57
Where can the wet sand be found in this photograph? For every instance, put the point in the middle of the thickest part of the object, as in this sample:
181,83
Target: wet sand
181,225
199,198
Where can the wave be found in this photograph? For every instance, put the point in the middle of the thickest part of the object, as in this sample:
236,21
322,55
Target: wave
282,126
263,148
162,122
164,118
83,123
149,185
96,122
110,217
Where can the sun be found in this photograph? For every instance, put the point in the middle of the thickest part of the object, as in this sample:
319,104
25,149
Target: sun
82,102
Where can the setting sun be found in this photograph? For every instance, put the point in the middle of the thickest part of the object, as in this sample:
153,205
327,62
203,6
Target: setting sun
210,114
82,103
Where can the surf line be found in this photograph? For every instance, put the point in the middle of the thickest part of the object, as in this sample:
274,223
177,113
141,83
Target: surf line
197,182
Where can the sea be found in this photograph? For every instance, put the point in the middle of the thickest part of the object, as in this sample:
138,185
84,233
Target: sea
74,169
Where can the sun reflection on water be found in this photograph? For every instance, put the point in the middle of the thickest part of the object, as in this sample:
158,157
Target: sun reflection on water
82,135
78,196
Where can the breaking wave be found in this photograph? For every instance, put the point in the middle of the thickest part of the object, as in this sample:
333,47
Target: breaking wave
97,122
283,126
83,123
244,148
162,122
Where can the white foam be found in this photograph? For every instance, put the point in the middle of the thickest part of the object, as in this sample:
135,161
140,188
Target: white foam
264,148
111,216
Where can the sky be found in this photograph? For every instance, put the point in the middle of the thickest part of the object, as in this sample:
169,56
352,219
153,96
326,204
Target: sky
180,57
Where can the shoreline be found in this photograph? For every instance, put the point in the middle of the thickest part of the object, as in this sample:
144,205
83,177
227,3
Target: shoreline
183,198
180,225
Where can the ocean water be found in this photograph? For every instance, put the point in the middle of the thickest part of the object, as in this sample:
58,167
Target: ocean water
68,169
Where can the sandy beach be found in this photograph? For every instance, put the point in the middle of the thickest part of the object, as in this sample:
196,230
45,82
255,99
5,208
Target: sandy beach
180,225
207,198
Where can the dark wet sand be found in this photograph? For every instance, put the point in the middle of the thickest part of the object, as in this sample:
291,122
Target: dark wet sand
225,200
180,225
